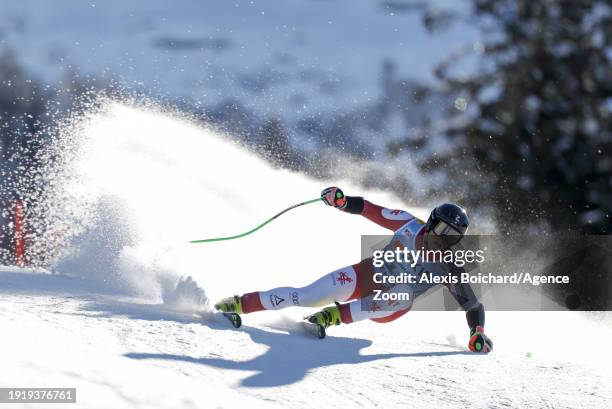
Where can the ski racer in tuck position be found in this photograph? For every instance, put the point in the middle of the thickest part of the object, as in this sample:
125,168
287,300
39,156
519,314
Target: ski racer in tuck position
352,289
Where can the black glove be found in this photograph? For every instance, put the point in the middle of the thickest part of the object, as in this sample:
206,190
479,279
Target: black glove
333,196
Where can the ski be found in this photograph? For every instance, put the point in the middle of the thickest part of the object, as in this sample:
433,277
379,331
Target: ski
314,329
233,318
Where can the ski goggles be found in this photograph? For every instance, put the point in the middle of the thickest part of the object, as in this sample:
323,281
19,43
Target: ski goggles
450,234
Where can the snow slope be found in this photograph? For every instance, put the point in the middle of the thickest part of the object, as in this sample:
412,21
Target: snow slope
112,322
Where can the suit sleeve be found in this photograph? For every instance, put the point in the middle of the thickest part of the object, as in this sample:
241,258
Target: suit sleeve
387,218
465,296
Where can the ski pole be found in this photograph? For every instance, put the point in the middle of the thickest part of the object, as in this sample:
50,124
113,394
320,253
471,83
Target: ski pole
258,227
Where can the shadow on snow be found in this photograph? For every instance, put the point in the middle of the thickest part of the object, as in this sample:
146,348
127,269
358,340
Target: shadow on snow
291,356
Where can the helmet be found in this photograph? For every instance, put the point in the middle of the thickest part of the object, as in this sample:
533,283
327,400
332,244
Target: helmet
449,221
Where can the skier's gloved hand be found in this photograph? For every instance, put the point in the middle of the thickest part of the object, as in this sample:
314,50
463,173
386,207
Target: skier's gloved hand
479,342
333,196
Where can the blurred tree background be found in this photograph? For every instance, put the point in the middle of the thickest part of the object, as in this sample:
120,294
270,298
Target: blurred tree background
535,138
525,133
28,112
22,115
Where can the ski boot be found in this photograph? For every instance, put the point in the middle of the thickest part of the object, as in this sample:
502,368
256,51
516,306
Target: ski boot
318,322
231,308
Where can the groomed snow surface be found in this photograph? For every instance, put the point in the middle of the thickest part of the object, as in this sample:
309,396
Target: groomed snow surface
110,319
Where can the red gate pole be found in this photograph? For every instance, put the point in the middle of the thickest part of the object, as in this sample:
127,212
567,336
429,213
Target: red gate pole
19,234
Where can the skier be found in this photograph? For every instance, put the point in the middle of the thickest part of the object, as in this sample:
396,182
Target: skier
352,289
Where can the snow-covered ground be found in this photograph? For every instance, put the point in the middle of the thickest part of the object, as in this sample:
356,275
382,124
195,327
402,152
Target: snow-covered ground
135,353
112,322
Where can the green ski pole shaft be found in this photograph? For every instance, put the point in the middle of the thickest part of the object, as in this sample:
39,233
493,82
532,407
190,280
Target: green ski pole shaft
258,227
